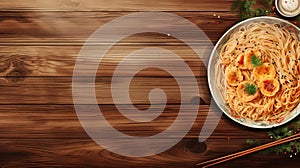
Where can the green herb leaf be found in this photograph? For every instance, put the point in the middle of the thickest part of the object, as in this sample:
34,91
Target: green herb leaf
256,61
245,8
253,142
291,148
250,89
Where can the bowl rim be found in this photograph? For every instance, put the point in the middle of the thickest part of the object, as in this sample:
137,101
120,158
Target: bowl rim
214,51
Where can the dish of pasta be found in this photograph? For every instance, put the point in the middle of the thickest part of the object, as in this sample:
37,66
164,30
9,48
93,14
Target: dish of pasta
257,72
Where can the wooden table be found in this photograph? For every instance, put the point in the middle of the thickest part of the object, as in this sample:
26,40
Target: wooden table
40,41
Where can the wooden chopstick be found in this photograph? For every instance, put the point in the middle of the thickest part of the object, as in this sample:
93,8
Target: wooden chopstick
255,148
245,153
248,151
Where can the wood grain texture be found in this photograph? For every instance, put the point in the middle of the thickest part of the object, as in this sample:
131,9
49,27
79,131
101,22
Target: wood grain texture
57,139
61,122
40,41
32,28
60,60
58,90
68,28
115,5
86,153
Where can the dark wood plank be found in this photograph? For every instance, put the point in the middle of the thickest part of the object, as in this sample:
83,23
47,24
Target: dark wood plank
61,28
116,5
86,153
61,122
74,28
54,90
60,60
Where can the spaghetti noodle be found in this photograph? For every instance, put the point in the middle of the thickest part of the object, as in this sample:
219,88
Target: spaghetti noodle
276,93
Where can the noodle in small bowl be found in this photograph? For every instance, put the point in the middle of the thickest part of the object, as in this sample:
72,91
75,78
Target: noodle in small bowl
254,72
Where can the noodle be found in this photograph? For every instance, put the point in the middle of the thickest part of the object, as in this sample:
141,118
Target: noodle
278,47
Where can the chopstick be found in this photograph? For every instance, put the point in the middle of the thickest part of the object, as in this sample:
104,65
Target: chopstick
248,151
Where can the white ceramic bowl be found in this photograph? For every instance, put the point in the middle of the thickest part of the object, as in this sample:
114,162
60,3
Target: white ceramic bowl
288,8
216,93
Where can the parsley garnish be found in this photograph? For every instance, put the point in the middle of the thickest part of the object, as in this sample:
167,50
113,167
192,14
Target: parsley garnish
289,149
246,8
250,89
256,61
